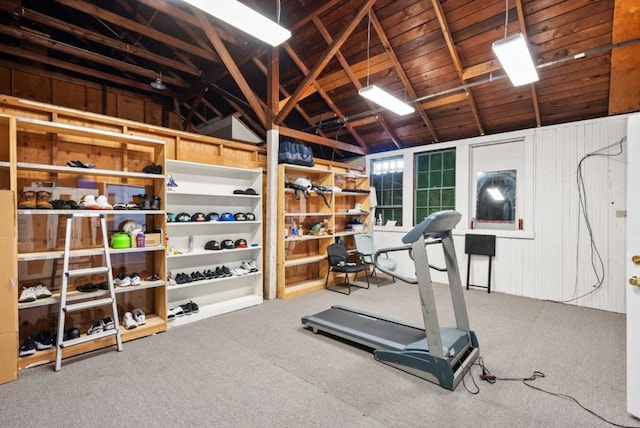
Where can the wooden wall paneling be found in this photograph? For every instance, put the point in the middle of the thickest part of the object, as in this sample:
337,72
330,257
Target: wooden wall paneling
153,113
130,108
31,86
95,100
5,80
68,94
625,61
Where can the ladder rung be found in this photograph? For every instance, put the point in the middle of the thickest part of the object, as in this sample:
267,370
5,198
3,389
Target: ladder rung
88,271
88,304
84,214
88,338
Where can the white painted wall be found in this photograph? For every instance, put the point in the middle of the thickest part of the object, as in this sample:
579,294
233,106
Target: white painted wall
550,258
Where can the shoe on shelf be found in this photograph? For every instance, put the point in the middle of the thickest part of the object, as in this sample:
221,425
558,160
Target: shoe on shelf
120,206
103,203
43,200
87,287
193,306
139,316
176,312
59,204
89,202
122,280
135,278
132,206
186,308
128,322
142,201
104,285
152,168
155,202
153,277
43,340
72,333
28,295
107,323
28,347
42,292
96,327
28,200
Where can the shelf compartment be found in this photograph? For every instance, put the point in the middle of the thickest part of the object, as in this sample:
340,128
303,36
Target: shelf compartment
106,212
200,253
298,289
155,324
218,308
73,295
305,260
86,171
58,254
208,282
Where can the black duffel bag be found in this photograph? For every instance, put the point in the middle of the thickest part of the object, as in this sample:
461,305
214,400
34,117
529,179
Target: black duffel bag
296,153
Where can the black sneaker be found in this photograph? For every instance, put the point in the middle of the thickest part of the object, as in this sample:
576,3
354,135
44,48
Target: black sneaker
43,340
28,347
87,288
72,333
194,307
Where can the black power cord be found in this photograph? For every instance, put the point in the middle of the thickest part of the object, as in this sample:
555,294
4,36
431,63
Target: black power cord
490,378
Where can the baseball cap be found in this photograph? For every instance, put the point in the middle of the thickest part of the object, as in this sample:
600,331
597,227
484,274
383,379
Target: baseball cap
212,245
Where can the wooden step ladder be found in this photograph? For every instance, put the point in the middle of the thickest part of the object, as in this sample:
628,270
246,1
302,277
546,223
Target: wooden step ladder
91,301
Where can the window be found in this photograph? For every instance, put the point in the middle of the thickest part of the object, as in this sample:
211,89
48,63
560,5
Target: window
386,177
435,182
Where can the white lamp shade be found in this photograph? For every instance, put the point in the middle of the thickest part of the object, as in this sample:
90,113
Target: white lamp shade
386,100
244,18
515,58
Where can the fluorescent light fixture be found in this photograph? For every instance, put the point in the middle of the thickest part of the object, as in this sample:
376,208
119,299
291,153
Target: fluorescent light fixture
515,58
244,18
495,193
386,100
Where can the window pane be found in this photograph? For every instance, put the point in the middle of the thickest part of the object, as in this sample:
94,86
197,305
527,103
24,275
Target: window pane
448,197
448,178
396,179
421,198
435,179
449,159
397,197
396,214
434,198
421,213
376,181
386,197
423,181
436,161
422,162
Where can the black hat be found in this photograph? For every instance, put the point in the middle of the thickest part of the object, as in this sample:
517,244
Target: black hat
250,217
240,243
248,191
198,217
228,244
183,217
212,216
212,245
239,217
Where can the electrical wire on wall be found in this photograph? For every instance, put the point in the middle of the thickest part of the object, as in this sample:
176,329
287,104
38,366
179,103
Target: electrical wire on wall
597,264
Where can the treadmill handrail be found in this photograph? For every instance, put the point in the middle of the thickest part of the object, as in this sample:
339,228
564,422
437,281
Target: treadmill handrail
435,225
407,247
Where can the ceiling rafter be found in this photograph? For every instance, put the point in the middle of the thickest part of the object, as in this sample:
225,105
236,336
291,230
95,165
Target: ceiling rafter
523,30
456,60
116,19
347,69
301,22
85,34
324,59
382,35
234,70
245,114
296,59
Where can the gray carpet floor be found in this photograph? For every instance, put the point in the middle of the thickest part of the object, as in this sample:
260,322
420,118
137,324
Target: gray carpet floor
259,367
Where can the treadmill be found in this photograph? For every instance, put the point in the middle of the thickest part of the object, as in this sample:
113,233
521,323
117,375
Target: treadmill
439,355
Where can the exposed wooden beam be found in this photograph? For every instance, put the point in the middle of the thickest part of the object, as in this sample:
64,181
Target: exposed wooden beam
312,138
382,35
624,85
114,18
194,106
481,69
301,22
364,121
43,59
534,95
324,59
229,62
450,99
86,55
456,60
257,127
84,34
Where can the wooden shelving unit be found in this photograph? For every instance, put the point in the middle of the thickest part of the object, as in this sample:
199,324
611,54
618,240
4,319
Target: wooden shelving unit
301,259
39,156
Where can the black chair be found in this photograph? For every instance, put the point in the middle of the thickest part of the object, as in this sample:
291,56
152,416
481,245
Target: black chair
338,259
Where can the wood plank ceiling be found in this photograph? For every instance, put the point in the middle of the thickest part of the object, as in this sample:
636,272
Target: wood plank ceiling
435,54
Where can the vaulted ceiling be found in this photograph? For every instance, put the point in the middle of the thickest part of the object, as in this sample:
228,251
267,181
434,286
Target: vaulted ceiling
435,54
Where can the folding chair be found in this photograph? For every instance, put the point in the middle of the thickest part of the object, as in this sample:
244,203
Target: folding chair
338,259
364,245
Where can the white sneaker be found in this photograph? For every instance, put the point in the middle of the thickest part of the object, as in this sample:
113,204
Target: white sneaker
103,203
139,316
88,202
248,266
128,322
42,292
122,280
135,279
28,295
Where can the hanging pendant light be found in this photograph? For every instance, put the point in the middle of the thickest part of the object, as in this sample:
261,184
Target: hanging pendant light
158,84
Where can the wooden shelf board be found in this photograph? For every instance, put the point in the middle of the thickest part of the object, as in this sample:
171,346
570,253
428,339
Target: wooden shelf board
58,254
68,129
86,171
302,288
174,191
209,223
155,324
79,295
106,212
347,213
306,237
200,253
307,214
304,260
